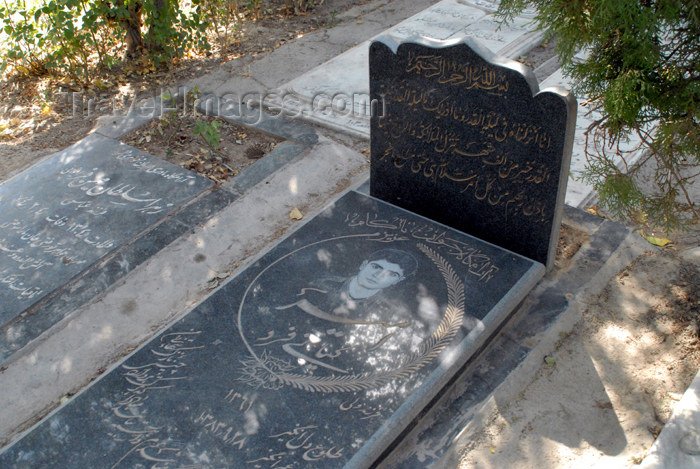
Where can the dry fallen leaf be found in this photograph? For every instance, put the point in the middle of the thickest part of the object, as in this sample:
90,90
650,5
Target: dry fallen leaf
103,84
295,214
593,210
661,242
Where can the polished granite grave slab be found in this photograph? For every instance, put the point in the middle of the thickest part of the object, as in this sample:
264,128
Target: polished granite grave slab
60,217
317,355
466,138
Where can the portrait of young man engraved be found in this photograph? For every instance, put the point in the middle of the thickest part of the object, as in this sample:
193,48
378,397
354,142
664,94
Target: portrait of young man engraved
360,301
352,314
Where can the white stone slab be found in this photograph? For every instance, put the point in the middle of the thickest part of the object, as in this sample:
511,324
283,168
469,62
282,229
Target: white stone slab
678,445
441,21
576,190
492,5
495,35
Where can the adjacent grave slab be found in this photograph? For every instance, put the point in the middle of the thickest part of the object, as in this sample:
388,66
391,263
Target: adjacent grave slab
283,367
465,138
105,273
678,444
60,217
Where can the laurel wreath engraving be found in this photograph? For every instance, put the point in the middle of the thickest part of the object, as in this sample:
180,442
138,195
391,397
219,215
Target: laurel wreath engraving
429,349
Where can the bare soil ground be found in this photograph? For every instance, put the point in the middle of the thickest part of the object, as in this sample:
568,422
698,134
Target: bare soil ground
208,145
607,389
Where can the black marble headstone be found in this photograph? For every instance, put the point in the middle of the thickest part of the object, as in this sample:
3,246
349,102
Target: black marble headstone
464,138
61,216
317,355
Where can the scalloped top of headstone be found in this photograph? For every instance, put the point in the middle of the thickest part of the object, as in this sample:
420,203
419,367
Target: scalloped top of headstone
465,138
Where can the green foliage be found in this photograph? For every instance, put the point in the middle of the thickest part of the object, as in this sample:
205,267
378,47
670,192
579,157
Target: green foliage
209,132
224,18
254,6
640,70
61,35
75,38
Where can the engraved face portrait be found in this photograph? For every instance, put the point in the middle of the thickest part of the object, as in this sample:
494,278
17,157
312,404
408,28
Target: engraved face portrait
379,274
383,269
341,315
